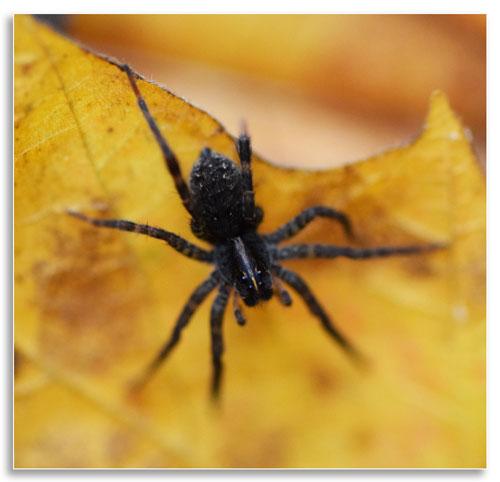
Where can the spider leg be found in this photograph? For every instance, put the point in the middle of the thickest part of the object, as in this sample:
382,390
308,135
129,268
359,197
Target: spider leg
297,251
238,314
281,292
303,290
244,148
168,155
194,301
179,244
216,317
299,222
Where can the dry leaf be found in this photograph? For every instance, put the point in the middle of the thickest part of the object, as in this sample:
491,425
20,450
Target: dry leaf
92,306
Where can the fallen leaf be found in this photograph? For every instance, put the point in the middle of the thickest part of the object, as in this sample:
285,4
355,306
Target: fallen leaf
92,306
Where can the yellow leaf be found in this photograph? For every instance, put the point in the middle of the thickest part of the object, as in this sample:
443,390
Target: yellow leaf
92,306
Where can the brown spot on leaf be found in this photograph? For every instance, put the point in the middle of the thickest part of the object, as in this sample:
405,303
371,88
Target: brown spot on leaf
419,266
18,362
363,439
119,446
89,298
323,379
268,451
27,67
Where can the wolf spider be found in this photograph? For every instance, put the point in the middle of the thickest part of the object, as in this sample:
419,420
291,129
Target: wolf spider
220,201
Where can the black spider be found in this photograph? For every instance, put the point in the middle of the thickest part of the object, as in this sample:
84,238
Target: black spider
220,200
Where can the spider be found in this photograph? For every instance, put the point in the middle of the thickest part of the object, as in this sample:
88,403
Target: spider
221,202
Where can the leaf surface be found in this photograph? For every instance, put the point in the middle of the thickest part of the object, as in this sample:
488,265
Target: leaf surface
92,306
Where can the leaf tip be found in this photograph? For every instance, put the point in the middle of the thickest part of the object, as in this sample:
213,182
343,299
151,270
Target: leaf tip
441,120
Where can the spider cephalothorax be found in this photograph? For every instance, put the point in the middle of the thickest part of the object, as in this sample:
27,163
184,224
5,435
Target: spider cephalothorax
220,200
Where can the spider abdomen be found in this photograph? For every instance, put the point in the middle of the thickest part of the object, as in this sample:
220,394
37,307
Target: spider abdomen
217,197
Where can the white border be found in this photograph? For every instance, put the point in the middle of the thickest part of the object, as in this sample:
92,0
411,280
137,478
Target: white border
256,6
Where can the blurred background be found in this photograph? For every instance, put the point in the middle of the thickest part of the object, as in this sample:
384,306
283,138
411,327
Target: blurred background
315,90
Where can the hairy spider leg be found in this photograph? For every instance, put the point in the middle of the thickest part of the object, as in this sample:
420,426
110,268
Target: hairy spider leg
244,148
323,251
303,290
216,318
169,156
281,292
194,301
179,244
238,313
299,222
